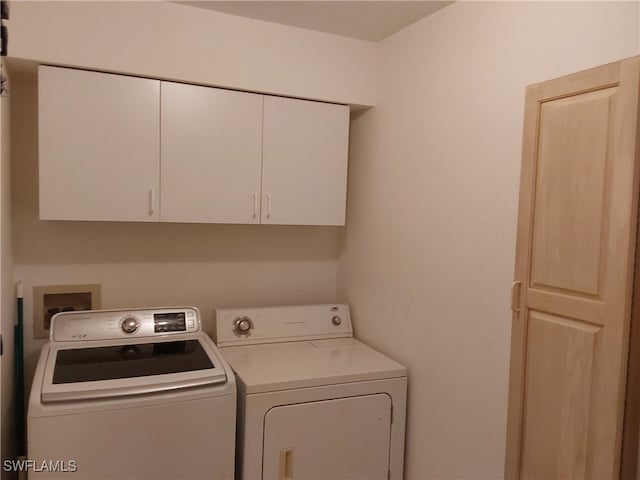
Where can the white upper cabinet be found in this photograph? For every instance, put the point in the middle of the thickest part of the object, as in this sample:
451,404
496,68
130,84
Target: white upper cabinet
99,146
304,172
211,155
120,148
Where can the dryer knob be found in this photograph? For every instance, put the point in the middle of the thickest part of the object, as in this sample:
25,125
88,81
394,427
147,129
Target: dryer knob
242,325
130,324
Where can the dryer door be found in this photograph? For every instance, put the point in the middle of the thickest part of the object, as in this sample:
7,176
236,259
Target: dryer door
340,438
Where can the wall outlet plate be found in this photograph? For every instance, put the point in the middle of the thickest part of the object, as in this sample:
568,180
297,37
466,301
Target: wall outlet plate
51,299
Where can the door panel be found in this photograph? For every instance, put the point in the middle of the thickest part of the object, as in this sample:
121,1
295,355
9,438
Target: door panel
560,355
99,146
305,149
570,196
211,155
330,439
574,260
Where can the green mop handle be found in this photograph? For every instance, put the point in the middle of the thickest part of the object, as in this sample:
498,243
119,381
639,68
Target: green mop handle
19,375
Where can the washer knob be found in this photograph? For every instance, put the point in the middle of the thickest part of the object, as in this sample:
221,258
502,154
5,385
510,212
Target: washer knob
130,324
242,325
336,320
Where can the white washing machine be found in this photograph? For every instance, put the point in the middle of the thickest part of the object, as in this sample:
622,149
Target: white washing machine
313,402
135,394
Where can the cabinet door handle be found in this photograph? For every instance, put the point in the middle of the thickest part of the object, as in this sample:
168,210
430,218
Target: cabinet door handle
286,458
255,205
268,205
515,297
151,202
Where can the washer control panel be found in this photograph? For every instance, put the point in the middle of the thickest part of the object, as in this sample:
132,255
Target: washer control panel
115,324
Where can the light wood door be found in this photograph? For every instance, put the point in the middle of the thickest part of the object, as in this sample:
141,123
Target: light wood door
345,438
211,153
574,269
99,142
305,150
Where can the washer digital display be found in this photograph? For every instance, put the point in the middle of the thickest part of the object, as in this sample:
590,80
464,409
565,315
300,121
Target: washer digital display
169,322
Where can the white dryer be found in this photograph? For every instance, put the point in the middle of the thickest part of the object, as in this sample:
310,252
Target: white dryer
135,394
313,402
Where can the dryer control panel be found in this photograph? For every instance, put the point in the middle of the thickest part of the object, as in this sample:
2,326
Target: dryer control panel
118,324
246,326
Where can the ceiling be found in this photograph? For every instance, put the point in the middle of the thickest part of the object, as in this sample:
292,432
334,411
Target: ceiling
366,20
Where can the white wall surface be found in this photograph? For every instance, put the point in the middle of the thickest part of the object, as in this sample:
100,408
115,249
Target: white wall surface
183,43
427,259
142,265
7,292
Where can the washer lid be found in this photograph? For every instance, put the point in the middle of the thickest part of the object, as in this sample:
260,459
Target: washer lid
90,370
289,365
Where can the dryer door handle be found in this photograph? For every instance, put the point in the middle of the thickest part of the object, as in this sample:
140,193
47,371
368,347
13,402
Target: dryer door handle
286,460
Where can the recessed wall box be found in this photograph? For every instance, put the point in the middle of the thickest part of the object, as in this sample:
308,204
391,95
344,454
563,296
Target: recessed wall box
51,299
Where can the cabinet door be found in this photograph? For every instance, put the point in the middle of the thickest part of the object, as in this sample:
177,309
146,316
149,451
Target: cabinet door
211,155
574,268
341,438
99,140
305,149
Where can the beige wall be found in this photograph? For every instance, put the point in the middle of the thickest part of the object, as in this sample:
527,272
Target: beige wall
142,264
427,260
7,292
178,42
